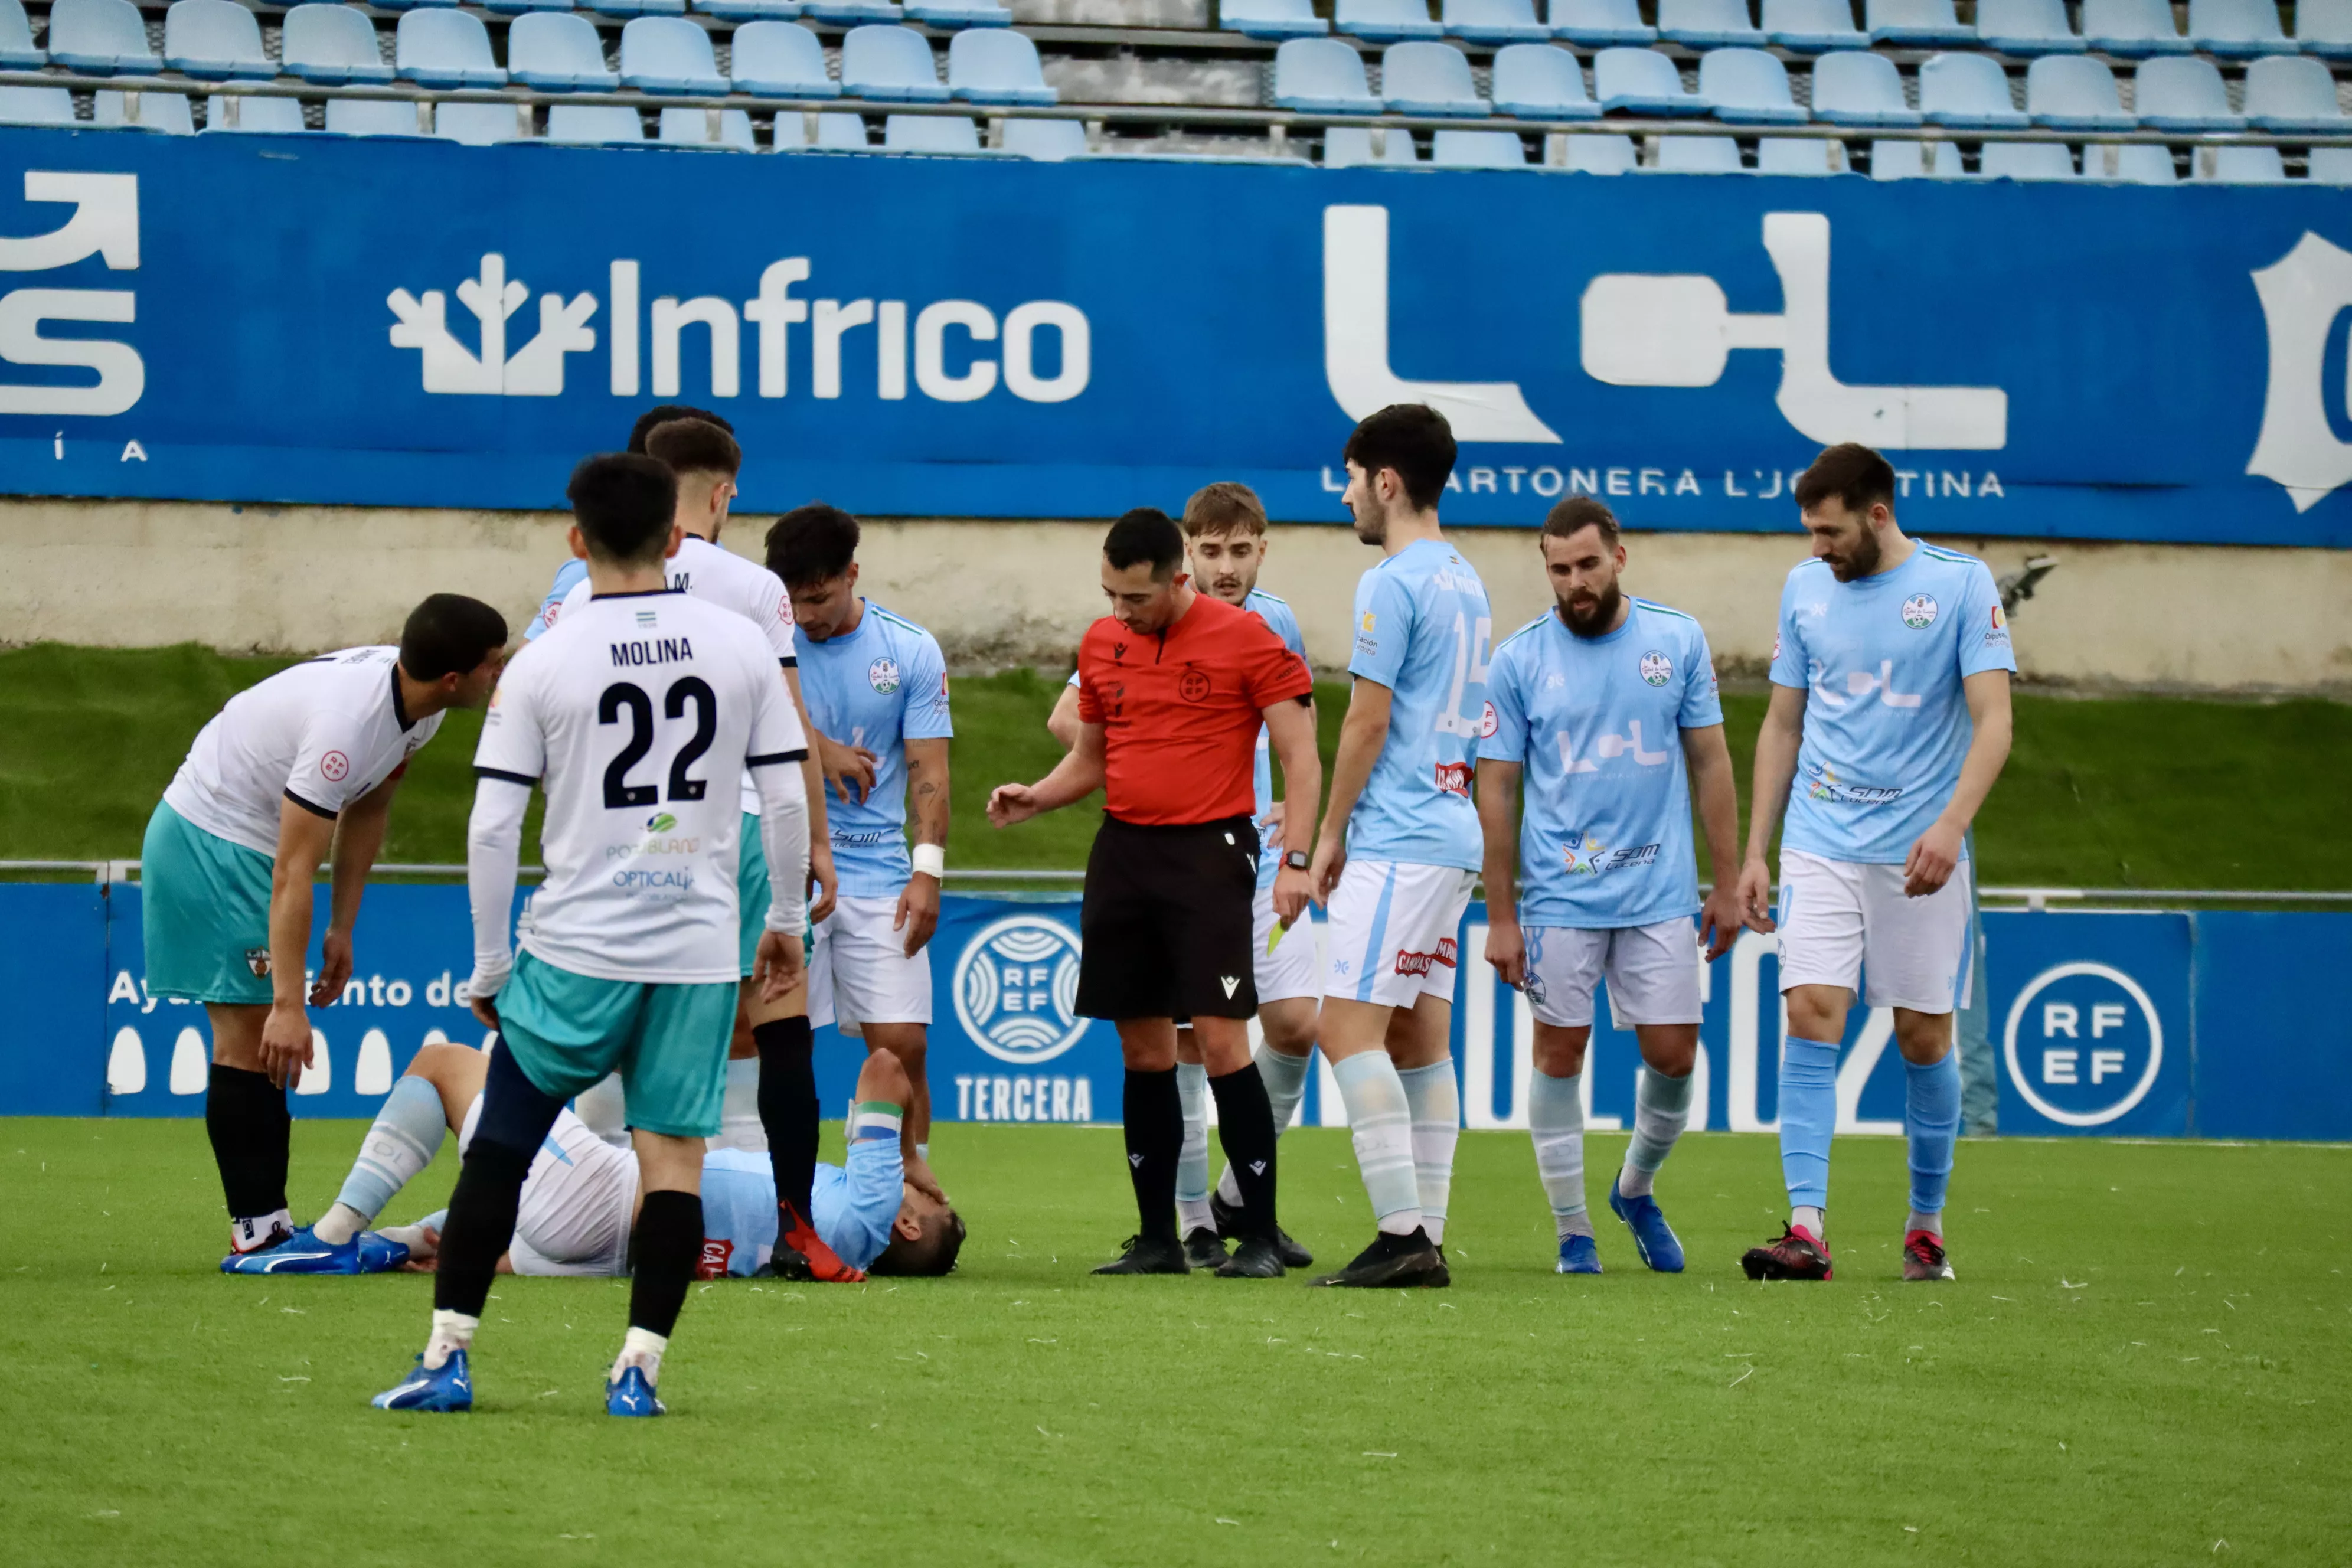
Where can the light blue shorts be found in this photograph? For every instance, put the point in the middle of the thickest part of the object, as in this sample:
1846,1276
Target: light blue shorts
204,913
669,1043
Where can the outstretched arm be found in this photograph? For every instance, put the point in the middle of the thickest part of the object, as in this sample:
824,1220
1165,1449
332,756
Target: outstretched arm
1074,777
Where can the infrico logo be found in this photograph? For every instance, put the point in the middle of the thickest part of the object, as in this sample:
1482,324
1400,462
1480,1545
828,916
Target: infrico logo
105,224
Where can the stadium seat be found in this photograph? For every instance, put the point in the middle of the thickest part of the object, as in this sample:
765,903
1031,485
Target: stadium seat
1970,91
1272,18
2069,93
588,123
558,51
1429,79
682,127
1047,140
780,60
445,48
948,13
373,117
215,40
1493,21
1917,24
1812,26
1384,21
835,133
1709,23
477,125
2027,160
853,13
2329,166
670,54
635,7
2132,29
1795,155
2183,93
749,10
412,5
107,38
930,133
1641,81
1600,154
164,111
1536,81
2136,163
17,50
1855,87
1477,149
331,44
2324,27
1604,24
2287,95
523,8
2237,29
264,116
1747,87
890,63
1348,146
2237,166
997,67
1698,156
2028,28
1910,161
1321,76
36,106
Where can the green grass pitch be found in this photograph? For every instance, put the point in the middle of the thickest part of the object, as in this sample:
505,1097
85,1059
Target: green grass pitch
2144,1357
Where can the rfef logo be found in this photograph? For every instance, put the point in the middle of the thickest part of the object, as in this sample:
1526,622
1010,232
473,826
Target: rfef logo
1016,990
2084,1044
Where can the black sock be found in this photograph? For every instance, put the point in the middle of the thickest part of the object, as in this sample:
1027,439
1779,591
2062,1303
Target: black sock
246,1119
1154,1118
480,1225
787,1112
668,1246
1246,1129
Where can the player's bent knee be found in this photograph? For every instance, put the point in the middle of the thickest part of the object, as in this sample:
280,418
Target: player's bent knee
1671,1049
1922,1037
885,1077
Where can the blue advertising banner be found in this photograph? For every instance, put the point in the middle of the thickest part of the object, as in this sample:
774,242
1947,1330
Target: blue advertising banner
264,319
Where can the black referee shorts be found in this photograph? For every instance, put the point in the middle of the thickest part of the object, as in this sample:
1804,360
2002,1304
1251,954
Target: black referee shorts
1166,923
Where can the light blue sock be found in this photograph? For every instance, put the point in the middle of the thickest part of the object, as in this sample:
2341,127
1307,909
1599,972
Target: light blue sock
1661,1110
1556,1123
1808,1117
1379,1123
406,1135
1193,1158
1931,1119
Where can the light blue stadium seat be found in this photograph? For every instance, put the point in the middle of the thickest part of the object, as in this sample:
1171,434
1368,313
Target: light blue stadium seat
1601,24
523,8
1429,79
2067,92
1747,87
842,133
669,55
1918,24
1812,26
165,111
1493,21
2028,28
2237,29
2027,160
2183,93
589,123
2324,27
749,10
997,67
558,51
1272,18
1477,149
2331,166
2287,95
681,127
853,13
1536,81
930,133
1641,81
1794,155
1045,140
2132,30
1970,91
263,116
1709,23
1321,76
635,8
2237,166
445,48
2136,163
215,40
1384,21
331,44
1600,154
947,14
780,60
17,50
1854,87
477,125
36,106
890,63
412,5
108,38
373,117
1348,146
1911,161
1698,156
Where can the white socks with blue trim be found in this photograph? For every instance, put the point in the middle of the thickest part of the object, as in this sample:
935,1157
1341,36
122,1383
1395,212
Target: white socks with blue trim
1436,1103
1193,1157
1379,1123
1661,1112
1556,1123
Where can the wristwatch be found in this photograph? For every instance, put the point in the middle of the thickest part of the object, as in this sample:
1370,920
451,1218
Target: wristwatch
1295,859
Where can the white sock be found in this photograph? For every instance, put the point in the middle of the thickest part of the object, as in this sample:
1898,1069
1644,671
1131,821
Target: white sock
253,1231
640,1347
1661,1112
739,1110
339,1224
1436,1103
1556,1123
451,1331
1933,1224
606,1112
1816,1221
1577,1223
1379,1123
1191,1215
1193,1155
1286,1083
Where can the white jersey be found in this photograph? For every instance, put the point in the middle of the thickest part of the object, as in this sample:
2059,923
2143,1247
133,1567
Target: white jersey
321,734
709,572
641,714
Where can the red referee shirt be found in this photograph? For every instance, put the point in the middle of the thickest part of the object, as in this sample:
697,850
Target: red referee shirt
1181,711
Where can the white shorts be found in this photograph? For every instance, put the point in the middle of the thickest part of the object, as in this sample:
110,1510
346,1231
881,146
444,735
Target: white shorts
859,972
1289,970
1391,932
577,1201
1848,924
1652,973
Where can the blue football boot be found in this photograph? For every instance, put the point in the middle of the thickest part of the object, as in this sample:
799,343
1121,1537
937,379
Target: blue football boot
1653,1238
1579,1255
633,1395
451,1388
304,1253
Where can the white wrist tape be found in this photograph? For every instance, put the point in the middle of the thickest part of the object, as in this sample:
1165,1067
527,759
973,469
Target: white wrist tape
931,859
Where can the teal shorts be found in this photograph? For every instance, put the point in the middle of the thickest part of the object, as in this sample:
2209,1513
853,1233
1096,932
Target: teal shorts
669,1043
204,913
751,892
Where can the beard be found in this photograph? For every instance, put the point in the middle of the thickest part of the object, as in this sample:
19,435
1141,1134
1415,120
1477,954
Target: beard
1372,528
1594,619
1861,562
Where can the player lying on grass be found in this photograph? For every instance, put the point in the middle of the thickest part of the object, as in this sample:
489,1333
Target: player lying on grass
580,1198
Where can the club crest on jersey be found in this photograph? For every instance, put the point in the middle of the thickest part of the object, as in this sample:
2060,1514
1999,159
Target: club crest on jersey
1919,612
1454,778
882,675
257,960
1656,667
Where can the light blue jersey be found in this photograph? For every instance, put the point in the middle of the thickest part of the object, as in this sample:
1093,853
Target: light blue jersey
853,1205
568,576
1277,613
878,685
1423,628
1596,723
1882,660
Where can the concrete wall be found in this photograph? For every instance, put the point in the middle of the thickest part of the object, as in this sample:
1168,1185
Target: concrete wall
1006,593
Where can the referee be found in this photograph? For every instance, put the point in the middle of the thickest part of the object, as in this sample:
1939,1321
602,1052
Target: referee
1172,686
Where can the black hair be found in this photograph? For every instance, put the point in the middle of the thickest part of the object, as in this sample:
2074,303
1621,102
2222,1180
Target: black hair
694,447
1577,512
1853,473
449,633
1413,439
1147,534
933,1254
624,503
810,544
663,413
